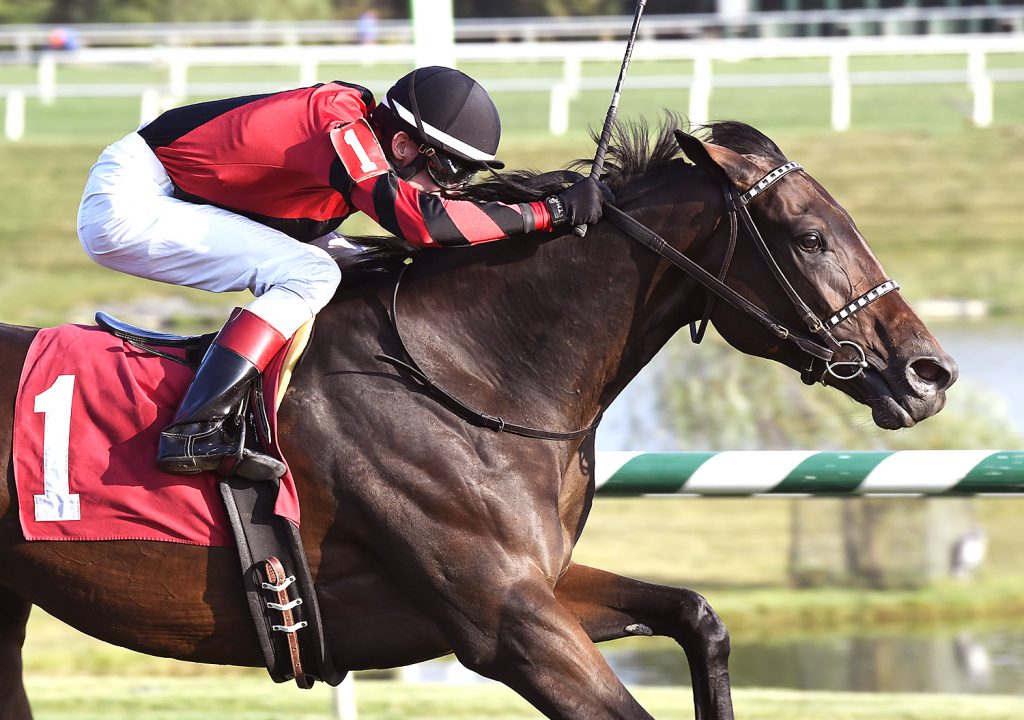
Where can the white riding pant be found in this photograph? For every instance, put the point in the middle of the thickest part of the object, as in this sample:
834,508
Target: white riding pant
129,221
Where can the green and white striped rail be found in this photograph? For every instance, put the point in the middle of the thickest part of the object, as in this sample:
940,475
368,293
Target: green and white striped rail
799,472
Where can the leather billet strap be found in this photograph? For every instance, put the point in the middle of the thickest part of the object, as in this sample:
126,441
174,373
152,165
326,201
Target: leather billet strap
276,587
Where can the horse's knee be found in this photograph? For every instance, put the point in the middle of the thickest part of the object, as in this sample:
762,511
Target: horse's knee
702,623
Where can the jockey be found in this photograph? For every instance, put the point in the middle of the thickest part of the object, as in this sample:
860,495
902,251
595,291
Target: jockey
227,195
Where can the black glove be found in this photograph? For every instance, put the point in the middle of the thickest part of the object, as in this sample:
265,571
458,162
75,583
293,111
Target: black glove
580,203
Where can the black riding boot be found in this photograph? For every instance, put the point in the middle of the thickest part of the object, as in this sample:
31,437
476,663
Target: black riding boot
205,432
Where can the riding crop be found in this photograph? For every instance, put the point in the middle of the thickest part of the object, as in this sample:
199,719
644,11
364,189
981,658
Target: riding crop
613,109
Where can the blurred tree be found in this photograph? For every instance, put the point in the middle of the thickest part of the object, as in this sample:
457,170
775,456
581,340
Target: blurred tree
23,11
531,8
387,9
82,11
716,398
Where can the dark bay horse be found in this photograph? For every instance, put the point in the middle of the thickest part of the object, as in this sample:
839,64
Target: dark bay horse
428,534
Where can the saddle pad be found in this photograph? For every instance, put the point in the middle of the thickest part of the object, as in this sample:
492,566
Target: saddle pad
88,416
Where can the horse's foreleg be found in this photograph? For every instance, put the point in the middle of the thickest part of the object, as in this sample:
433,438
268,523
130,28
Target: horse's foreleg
610,606
13,616
527,640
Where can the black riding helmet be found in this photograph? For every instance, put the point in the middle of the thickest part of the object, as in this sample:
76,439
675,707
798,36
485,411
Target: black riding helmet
452,117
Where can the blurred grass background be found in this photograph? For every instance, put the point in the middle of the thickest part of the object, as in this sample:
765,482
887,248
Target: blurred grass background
939,200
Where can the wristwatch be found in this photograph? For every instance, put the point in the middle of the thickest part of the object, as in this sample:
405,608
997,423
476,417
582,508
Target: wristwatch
557,210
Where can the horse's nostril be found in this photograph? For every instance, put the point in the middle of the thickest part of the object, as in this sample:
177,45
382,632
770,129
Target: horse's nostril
933,372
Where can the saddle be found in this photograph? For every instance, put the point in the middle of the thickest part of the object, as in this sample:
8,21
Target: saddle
275,573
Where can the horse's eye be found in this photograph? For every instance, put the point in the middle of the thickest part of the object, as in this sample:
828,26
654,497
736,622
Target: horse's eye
810,242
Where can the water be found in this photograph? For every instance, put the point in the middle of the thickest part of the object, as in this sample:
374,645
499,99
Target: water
949,660
990,356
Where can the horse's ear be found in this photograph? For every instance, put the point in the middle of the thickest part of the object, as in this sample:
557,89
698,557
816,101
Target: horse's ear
721,162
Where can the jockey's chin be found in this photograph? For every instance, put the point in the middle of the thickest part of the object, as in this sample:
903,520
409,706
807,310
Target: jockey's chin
423,182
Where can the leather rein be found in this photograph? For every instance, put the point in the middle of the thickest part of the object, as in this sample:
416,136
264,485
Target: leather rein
823,348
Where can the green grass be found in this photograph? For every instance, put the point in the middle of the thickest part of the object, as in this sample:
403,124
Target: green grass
161,698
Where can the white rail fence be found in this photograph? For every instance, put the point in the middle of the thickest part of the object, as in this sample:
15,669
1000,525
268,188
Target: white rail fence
700,82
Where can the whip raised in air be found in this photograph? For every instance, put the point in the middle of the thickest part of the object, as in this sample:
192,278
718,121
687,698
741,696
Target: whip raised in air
613,109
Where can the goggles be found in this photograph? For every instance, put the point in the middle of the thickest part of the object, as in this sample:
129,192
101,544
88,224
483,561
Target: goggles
447,172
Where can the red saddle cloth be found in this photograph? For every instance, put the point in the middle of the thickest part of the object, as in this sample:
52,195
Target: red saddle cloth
88,415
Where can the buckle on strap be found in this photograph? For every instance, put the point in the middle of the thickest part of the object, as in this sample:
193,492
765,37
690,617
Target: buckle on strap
290,629
286,606
283,586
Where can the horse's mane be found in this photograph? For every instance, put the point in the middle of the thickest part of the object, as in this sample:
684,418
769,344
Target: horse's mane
634,151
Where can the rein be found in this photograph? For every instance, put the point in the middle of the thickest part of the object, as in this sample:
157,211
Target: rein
825,346
467,412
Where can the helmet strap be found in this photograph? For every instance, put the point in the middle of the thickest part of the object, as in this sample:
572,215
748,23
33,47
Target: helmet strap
407,172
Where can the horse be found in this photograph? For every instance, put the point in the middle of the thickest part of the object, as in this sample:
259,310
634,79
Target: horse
431,530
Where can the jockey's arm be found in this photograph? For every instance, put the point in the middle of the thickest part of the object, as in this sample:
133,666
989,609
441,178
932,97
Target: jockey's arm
428,220
422,219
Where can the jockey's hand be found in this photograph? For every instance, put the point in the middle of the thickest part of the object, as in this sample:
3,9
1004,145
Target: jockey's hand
580,203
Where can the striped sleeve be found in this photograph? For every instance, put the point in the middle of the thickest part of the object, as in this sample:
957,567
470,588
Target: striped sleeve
427,220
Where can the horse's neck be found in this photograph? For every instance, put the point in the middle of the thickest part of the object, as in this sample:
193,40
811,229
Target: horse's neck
547,331
686,212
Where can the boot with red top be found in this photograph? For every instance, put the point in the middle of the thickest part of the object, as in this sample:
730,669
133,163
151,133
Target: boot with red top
204,435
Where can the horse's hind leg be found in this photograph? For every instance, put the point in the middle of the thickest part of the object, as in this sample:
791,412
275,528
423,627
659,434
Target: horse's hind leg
13,616
610,606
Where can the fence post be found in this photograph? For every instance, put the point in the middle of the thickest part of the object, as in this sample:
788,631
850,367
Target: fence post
700,90
558,113
571,73
839,68
149,105
46,77
345,699
981,87
177,70
308,68
14,116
